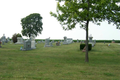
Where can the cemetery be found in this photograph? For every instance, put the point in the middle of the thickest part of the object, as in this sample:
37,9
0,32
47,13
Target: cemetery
36,61
63,58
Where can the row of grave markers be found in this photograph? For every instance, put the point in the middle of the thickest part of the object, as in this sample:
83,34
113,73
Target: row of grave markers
31,44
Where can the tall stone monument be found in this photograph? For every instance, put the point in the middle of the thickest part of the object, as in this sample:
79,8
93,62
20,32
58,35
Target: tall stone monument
3,39
32,38
65,40
90,40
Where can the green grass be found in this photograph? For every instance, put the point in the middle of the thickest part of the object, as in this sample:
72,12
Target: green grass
65,62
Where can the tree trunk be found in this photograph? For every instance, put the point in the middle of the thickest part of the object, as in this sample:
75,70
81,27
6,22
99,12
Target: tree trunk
87,24
86,55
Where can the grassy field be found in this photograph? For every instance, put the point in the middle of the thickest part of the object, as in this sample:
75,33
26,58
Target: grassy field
65,62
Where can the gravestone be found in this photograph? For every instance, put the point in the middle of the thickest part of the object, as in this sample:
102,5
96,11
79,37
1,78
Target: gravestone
108,45
3,39
104,42
11,41
33,43
8,39
90,41
39,41
27,45
47,43
113,41
42,41
19,40
67,40
57,43
90,38
95,41
77,41
51,43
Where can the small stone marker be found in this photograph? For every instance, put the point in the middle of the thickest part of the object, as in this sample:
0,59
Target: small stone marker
57,43
108,44
11,41
77,41
113,41
51,44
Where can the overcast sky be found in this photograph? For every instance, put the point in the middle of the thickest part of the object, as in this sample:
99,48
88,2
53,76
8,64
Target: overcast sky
11,12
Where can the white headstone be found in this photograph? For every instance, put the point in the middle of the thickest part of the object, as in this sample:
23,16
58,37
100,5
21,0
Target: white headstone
32,38
90,41
19,40
67,40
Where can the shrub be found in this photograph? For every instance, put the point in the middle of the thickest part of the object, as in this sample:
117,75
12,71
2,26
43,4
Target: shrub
83,45
19,35
14,37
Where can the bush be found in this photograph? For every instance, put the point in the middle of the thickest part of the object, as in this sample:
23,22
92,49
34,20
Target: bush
14,37
19,35
83,45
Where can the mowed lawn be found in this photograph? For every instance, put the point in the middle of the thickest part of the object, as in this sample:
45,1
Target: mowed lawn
65,62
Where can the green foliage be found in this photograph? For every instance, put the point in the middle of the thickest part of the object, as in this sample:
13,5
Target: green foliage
74,12
32,24
19,35
83,45
107,41
14,37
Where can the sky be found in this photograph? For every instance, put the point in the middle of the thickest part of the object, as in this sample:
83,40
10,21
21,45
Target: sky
12,11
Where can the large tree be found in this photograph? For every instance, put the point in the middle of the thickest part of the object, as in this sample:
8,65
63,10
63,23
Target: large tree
32,24
72,12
